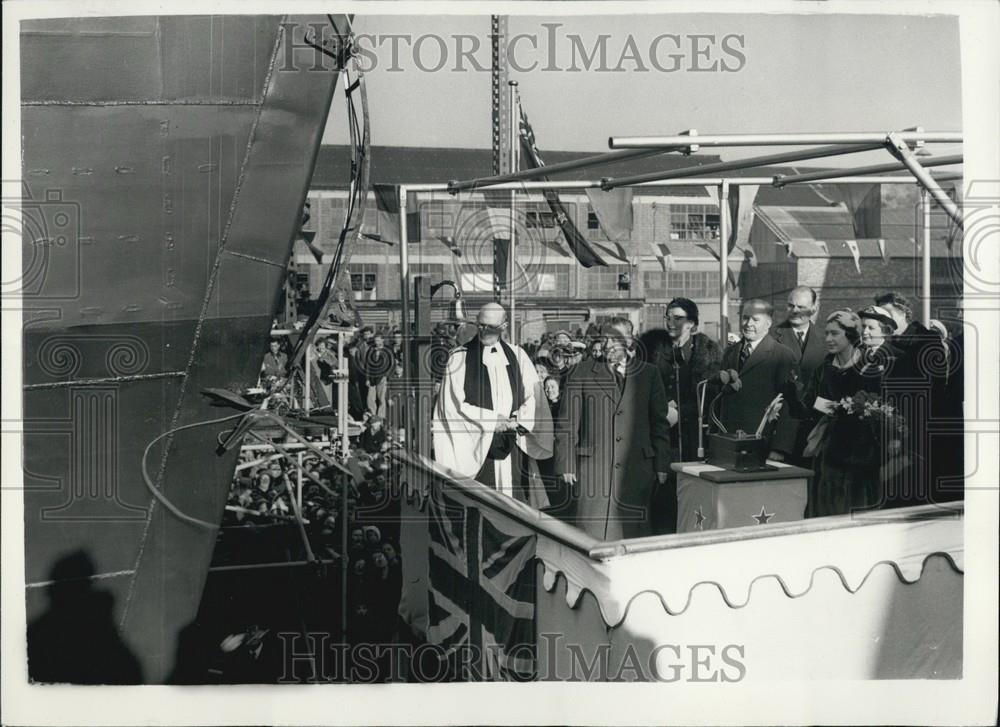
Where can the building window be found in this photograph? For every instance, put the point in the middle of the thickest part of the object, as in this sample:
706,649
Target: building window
592,222
537,219
435,271
437,217
477,279
549,280
604,281
694,284
694,222
364,281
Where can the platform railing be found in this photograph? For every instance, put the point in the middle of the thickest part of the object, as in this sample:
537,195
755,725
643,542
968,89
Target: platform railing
599,550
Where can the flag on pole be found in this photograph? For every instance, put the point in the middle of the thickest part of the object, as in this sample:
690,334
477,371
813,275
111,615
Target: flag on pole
729,271
663,255
660,249
450,243
612,249
306,235
387,203
864,204
954,231
501,262
852,245
614,211
481,595
741,215
582,250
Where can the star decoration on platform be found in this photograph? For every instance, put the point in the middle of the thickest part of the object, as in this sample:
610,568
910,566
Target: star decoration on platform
763,516
699,518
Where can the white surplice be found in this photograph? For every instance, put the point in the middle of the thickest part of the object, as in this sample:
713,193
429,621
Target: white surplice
463,432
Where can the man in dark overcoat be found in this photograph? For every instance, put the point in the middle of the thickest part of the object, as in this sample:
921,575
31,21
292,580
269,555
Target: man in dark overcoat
613,441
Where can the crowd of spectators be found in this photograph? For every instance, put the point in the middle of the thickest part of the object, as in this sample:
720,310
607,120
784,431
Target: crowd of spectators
261,520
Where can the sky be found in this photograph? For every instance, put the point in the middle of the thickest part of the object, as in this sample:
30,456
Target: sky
743,74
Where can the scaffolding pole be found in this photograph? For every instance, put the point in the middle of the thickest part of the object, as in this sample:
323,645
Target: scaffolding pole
896,144
781,180
731,140
925,208
404,299
738,164
550,170
723,263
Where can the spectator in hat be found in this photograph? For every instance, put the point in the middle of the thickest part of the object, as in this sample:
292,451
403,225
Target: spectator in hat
373,437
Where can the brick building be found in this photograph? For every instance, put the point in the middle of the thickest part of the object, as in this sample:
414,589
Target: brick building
553,290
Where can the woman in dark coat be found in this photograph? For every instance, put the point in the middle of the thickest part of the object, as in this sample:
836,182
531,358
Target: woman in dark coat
882,360
846,450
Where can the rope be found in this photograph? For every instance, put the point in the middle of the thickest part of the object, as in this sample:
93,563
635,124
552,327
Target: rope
160,497
360,135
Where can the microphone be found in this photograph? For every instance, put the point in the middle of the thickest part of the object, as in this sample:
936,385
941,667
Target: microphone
701,388
728,378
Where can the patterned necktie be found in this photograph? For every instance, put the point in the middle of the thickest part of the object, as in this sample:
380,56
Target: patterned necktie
802,339
744,354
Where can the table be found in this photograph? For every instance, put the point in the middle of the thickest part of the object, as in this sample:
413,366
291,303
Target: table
711,498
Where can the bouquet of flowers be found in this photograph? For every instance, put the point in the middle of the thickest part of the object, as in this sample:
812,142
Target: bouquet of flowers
871,409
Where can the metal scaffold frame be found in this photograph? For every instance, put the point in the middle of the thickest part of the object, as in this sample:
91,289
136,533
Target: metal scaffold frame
899,144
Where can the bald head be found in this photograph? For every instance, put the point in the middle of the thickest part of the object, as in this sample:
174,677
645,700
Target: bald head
492,320
492,314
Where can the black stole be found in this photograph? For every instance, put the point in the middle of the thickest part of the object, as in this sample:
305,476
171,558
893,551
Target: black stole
478,393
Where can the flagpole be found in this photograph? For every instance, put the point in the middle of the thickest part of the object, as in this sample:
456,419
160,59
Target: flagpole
925,206
515,116
404,299
723,263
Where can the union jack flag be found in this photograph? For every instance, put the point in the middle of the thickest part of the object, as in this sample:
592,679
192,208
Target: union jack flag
583,250
482,590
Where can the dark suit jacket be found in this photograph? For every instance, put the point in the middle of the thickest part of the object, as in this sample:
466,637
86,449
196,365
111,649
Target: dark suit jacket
807,361
614,442
767,373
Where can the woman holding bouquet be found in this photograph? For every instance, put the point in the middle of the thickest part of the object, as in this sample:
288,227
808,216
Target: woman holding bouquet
844,444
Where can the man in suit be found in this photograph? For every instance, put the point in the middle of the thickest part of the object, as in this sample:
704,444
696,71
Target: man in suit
766,369
805,340
613,441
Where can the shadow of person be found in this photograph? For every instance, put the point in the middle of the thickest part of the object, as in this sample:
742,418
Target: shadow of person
76,640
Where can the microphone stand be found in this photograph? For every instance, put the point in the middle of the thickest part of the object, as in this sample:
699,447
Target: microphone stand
677,398
701,390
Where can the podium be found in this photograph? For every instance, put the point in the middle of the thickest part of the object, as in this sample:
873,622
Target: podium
712,498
